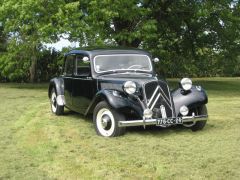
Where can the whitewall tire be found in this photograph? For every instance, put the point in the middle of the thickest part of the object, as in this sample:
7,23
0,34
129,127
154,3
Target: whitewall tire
106,120
56,109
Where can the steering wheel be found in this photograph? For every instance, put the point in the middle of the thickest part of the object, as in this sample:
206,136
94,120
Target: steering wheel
135,65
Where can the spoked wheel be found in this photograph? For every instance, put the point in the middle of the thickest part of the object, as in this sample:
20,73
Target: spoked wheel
199,125
106,121
56,109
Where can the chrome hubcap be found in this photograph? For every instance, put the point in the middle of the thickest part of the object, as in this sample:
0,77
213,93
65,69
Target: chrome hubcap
106,122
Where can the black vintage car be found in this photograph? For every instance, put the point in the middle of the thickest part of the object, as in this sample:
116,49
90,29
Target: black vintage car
120,88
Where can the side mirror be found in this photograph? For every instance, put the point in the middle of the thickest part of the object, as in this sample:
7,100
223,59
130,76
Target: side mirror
156,60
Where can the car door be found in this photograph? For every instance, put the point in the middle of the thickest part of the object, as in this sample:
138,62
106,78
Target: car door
67,77
84,86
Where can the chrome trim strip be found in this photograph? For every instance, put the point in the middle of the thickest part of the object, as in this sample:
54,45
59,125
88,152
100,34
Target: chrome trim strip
167,102
171,101
137,122
83,78
194,118
153,96
144,92
164,93
155,101
165,97
154,121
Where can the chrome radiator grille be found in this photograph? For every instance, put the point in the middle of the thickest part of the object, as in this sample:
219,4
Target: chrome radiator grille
157,95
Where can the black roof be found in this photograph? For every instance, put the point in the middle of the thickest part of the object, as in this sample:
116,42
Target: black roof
93,51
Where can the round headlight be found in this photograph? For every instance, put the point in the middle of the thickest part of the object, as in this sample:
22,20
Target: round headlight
184,110
186,84
130,87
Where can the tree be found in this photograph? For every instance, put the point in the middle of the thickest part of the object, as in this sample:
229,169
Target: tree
3,39
29,24
192,37
123,22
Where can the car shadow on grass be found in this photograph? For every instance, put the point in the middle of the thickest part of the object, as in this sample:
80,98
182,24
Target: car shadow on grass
78,116
161,130
155,129
140,129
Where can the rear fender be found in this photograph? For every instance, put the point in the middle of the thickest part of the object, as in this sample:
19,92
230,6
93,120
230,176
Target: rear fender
58,84
116,102
196,97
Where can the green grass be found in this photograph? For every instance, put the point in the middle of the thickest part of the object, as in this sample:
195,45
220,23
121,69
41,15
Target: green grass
35,144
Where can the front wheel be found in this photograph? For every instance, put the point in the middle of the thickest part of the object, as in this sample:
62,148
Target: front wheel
106,120
56,109
199,125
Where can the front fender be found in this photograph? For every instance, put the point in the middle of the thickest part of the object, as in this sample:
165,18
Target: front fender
58,84
194,98
116,102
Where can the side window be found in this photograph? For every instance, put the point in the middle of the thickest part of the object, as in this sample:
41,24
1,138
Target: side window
83,67
69,65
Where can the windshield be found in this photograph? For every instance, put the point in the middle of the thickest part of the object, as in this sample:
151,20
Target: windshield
122,62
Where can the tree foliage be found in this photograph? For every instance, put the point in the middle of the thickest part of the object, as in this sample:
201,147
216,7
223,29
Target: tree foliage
28,24
191,37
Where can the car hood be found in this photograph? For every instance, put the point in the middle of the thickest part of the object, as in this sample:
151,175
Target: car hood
116,81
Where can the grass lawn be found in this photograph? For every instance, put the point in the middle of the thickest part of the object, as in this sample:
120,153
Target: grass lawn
35,144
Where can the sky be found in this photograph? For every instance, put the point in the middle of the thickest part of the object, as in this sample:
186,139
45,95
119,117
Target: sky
61,44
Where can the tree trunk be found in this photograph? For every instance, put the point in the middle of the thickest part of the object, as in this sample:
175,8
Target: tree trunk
33,67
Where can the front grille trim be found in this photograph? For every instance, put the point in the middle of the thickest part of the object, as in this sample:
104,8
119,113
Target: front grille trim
155,91
167,100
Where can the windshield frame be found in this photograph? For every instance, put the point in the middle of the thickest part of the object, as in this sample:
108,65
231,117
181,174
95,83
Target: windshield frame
122,70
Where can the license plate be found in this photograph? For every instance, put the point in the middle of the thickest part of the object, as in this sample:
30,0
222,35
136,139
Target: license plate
169,121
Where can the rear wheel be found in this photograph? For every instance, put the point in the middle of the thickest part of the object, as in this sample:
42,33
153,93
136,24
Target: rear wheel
56,109
199,125
106,120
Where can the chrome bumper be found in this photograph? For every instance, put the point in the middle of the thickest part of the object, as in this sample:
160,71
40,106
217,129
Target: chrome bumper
145,122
